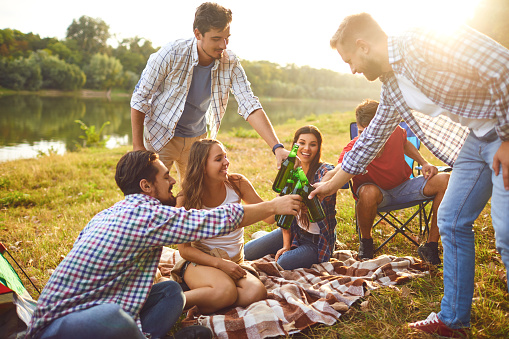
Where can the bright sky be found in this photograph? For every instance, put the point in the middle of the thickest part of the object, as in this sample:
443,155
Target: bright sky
281,31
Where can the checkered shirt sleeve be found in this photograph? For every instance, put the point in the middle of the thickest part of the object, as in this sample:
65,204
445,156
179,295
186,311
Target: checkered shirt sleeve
115,257
230,78
464,72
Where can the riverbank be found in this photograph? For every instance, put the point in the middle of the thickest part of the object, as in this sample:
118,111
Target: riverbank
84,93
46,202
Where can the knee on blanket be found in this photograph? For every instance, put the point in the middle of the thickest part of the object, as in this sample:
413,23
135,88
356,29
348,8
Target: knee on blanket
220,297
251,294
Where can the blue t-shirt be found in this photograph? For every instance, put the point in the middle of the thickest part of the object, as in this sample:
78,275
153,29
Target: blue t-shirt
192,123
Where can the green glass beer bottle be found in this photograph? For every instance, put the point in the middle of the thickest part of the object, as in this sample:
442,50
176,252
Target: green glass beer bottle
285,169
286,190
315,210
285,221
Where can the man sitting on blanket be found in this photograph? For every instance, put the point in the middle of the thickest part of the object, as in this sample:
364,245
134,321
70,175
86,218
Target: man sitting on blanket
387,182
103,288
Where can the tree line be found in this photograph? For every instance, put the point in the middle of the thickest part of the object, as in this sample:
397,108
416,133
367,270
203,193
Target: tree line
85,60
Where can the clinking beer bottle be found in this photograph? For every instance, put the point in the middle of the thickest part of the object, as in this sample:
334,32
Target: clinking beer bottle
285,221
286,190
315,210
285,169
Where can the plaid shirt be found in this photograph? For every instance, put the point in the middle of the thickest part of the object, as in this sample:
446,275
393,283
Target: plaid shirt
465,73
162,90
327,226
115,257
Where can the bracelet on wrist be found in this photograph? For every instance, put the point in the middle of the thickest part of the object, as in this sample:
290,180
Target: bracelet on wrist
276,146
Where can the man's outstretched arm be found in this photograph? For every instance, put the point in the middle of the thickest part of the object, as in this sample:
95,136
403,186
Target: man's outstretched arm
286,205
261,123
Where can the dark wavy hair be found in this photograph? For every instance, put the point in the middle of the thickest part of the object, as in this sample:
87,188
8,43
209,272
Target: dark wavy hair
313,166
132,168
211,15
316,161
194,180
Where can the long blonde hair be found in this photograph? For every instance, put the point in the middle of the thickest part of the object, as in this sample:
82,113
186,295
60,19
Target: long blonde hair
194,181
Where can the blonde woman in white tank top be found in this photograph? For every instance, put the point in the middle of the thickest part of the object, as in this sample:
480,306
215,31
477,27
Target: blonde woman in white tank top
216,282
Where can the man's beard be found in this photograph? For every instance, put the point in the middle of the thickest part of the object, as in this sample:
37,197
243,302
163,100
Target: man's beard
373,70
211,56
172,201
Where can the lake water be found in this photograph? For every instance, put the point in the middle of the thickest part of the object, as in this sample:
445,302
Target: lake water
32,124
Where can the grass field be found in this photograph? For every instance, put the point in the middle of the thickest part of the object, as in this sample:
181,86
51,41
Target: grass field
45,202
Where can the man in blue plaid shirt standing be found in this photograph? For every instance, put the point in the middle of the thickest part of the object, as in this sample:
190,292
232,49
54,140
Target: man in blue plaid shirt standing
452,89
104,287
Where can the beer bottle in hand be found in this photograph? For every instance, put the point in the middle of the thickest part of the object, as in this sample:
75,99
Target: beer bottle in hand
286,190
285,221
285,169
315,210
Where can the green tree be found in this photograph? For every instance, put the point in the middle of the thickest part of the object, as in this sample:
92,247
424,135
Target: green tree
90,35
57,74
491,19
133,53
63,51
20,74
104,72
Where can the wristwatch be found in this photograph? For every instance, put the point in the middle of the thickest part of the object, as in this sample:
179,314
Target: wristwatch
276,146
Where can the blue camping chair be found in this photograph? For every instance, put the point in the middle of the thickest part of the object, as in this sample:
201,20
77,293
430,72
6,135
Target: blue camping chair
421,209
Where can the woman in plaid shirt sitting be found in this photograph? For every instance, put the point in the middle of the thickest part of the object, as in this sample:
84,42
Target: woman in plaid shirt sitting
305,243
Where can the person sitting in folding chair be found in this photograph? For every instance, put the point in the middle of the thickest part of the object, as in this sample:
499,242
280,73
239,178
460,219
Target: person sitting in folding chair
387,182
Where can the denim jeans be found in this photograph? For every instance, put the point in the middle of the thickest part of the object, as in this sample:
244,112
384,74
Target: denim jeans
160,312
471,185
301,257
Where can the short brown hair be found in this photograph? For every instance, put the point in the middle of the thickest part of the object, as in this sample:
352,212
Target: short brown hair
356,26
133,167
365,112
211,15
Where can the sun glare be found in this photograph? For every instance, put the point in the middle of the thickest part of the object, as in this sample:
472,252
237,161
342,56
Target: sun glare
441,15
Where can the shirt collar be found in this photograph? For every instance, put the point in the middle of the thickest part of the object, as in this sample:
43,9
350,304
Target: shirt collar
142,197
195,51
195,55
394,54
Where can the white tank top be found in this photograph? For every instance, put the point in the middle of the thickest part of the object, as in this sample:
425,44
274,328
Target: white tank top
233,241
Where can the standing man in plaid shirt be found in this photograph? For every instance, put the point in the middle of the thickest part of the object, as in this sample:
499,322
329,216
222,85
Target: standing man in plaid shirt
186,85
453,91
103,287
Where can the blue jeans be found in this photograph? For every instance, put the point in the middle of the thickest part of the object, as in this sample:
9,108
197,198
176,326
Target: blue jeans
160,312
471,185
301,257
409,190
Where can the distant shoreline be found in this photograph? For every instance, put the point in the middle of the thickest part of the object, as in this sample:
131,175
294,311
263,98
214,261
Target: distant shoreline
84,93
88,93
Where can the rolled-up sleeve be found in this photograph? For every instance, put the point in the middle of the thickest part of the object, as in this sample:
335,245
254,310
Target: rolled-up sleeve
151,78
176,226
241,89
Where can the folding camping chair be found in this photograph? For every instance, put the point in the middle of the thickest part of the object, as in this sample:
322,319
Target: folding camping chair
388,213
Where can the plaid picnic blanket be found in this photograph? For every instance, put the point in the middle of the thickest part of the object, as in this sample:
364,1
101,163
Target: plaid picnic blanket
300,298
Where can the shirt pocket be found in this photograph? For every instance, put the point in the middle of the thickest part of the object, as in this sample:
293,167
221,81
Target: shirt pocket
174,90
